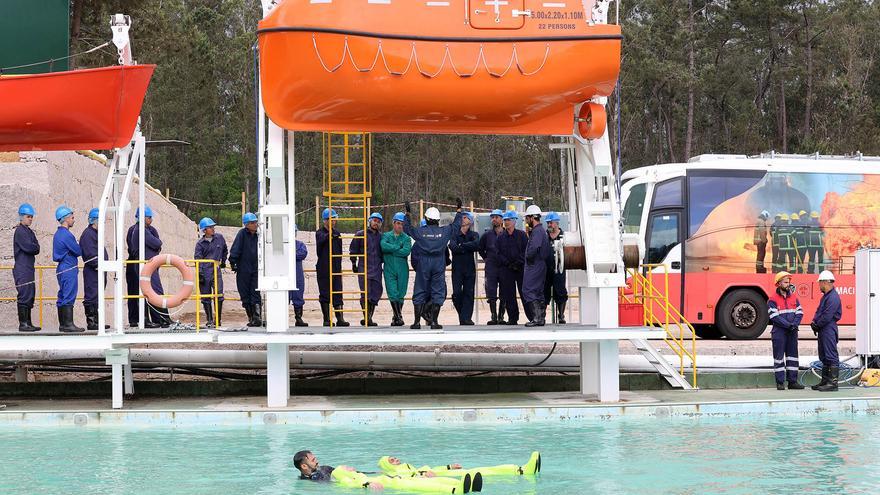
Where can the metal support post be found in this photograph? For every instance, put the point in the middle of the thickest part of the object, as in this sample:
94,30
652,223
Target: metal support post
600,363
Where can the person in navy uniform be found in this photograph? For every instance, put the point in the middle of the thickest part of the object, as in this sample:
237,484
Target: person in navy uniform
535,270
785,316
824,325
66,252
297,298
489,252
25,248
329,250
243,261
88,244
212,246
511,245
153,318
464,243
373,260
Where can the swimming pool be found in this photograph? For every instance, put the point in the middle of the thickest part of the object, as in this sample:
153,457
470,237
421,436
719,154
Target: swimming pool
734,455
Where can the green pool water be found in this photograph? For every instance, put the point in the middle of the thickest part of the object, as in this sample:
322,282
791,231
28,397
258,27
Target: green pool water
817,454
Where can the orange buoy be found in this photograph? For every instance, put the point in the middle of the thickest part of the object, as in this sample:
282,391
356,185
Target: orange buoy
172,301
592,120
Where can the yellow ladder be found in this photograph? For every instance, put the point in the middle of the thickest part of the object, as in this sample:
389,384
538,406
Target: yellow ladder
348,185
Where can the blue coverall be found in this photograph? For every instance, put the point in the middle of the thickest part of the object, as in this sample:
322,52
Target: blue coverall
243,258
65,252
211,249
827,315
785,315
152,247
511,260
374,263
296,296
489,253
432,241
88,244
324,245
464,272
25,249
535,272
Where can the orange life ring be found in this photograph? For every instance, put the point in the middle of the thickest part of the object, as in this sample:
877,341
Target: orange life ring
591,120
170,301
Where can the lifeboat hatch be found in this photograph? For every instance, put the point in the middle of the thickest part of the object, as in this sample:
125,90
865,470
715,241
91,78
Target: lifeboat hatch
497,14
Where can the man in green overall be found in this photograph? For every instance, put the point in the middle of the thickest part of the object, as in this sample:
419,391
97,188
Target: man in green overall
396,246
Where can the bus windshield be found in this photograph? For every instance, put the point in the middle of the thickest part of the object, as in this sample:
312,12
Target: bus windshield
632,210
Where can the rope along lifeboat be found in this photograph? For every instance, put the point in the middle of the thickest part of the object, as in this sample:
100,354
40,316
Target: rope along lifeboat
456,66
72,110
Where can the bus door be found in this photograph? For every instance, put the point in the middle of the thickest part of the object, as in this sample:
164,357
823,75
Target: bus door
663,245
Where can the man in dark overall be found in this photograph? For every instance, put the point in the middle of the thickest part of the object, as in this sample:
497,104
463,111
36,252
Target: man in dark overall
433,243
535,271
325,245
511,246
464,243
66,252
489,253
212,246
88,244
153,318
25,249
297,297
373,259
243,261
824,325
555,287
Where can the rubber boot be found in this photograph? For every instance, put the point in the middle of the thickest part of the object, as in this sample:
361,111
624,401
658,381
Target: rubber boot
395,308
417,321
426,314
340,318
209,314
833,375
825,378
258,314
560,312
325,310
539,311
249,311
91,317
298,312
364,312
371,308
494,310
220,312
435,316
65,320
795,386
24,319
29,321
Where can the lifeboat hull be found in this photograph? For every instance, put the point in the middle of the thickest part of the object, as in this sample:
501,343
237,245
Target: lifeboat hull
347,66
72,110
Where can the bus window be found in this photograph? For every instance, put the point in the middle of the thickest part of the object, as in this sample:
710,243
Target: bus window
664,237
632,211
706,192
667,194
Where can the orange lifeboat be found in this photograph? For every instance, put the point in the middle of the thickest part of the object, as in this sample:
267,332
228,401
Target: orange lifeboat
454,66
72,110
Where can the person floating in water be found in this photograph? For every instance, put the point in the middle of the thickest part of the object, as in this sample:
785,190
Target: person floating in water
309,468
393,466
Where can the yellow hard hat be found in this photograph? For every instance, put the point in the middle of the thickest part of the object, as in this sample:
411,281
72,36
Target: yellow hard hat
814,214
795,216
780,276
802,212
784,216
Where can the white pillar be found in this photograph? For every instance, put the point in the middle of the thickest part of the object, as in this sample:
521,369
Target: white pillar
278,374
117,386
600,361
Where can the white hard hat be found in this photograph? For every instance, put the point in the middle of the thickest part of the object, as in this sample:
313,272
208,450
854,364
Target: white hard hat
533,210
432,213
826,276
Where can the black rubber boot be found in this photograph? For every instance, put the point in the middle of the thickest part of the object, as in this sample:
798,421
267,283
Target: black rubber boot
560,313
780,386
209,314
29,321
825,378
325,310
65,320
91,317
396,321
795,386
435,317
298,312
539,311
833,375
417,321
340,318
371,308
258,314
24,317
220,312
249,311
494,310
364,312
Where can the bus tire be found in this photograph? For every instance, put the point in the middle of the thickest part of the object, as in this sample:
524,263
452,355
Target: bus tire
742,315
708,332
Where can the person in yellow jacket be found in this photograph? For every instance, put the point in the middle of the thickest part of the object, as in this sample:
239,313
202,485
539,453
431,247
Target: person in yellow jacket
395,467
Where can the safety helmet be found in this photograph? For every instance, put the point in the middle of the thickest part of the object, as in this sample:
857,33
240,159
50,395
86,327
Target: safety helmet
327,213
552,217
802,213
779,215
432,213
814,214
780,276
510,215
496,213
26,209
377,215
399,217
93,215
469,215
784,216
148,212
765,214
795,216
826,276
533,210
62,212
205,223
248,218
423,223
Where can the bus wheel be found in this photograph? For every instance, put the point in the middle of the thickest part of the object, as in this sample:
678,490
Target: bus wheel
708,332
742,315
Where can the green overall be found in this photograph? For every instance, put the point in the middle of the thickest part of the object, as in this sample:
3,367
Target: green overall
395,251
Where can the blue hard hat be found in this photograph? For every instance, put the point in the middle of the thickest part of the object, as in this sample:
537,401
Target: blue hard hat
377,215
62,212
205,223
399,217
248,218
148,212
93,215
510,215
496,213
26,209
552,217
329,213
469,215
423,223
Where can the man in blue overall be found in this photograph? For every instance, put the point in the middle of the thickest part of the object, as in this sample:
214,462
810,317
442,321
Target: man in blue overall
511,245
66,252
25,248
785,316
153,318
535,270
555,288
243,261
489,253
373,261
432,241
297,297
824,325
464,243
329,250
212,246
88,244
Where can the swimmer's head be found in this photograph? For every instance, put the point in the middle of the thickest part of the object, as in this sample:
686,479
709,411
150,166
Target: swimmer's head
305,461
